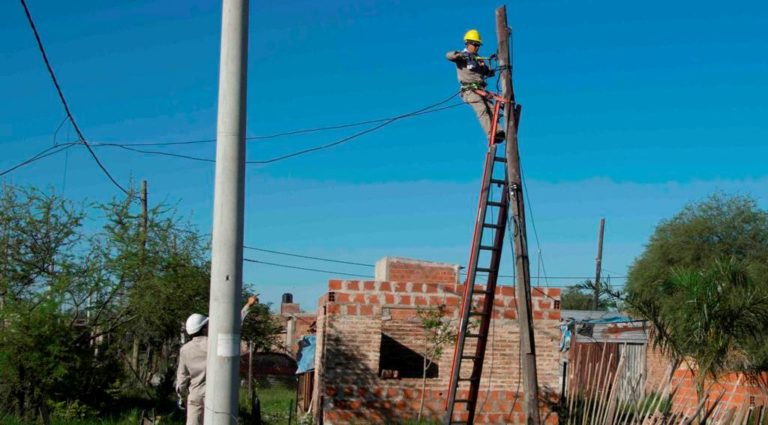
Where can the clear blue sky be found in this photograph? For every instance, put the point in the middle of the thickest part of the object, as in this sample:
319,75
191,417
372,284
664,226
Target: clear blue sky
629,111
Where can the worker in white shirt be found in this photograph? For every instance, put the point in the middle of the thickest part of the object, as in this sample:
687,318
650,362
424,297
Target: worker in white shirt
190,376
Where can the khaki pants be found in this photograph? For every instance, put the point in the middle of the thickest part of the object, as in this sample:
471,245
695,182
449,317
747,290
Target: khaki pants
195,412
483,108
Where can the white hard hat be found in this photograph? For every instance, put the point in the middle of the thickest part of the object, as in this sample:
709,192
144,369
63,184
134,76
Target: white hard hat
196,322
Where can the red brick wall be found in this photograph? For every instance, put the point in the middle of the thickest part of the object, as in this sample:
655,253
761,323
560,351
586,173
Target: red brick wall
395,269
318,392
289,308
349,335
738,389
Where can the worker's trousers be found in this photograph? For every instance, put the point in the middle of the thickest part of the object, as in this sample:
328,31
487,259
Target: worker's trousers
195,412
482,106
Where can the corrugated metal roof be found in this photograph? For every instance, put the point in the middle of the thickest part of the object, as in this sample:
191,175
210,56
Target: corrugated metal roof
617,328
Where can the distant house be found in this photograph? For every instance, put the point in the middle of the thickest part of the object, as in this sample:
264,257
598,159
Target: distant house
598,339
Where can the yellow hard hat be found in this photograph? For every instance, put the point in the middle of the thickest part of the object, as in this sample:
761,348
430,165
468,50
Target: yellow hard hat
473,35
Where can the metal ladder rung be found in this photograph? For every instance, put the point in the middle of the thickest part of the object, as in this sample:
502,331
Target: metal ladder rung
499,181
500,159
484,270
477,313
474,335
470,379
495,204
469,357
492,226
490,248
462,400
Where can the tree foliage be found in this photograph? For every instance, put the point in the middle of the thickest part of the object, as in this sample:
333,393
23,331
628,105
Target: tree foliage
580,297
92,301
703,283
720,227
438,334
261,328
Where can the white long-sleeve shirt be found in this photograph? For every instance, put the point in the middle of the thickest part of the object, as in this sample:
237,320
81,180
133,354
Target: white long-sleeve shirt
190,375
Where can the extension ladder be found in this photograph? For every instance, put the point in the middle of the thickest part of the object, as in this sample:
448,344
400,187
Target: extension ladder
485,257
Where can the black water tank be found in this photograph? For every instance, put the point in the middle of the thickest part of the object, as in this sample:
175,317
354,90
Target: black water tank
287,298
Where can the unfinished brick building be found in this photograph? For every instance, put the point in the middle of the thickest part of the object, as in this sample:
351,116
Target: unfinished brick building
366,327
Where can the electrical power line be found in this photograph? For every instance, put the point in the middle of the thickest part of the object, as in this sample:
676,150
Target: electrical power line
358,134
40,155
331,260
286,133
371,265
386,121
428,110
307,256
132,146
287,266
554,277
80,135
533,225
128,147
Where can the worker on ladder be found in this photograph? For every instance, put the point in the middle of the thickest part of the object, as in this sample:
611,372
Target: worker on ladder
472,72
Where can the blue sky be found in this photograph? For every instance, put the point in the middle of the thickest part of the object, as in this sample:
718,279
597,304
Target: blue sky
629,112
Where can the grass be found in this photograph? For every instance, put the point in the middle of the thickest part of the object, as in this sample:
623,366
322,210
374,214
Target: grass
130,418
276,400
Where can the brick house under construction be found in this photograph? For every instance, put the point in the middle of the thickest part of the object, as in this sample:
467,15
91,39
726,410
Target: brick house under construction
365,328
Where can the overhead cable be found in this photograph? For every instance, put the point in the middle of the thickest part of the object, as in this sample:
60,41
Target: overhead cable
307,256
250,260
387,121
80,135
289,132
40,155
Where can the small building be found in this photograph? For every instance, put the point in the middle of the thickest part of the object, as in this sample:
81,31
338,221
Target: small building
295,323
598,340
368,361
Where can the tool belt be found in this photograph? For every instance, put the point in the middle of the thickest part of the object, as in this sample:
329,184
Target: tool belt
472,86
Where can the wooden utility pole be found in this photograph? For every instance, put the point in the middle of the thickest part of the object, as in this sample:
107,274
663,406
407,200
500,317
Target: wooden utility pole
144,215
522,267
598,265
144,230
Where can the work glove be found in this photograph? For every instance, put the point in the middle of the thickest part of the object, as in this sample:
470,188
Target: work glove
493,57
180,404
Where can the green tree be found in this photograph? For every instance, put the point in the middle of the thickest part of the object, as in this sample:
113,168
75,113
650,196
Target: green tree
438,333
46,349
580,296
157,276
702,283
720,227
260,327
73,302
713,317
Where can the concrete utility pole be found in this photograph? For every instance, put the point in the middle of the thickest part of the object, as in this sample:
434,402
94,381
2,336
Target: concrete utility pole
598,265
522,267
222,380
